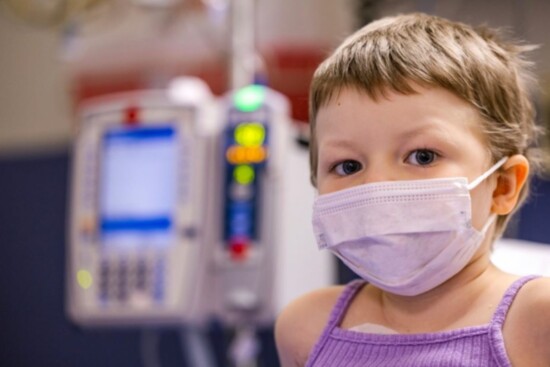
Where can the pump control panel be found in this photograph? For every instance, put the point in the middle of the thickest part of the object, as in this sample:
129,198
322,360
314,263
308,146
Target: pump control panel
246,154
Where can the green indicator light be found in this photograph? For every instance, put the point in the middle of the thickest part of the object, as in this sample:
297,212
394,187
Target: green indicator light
243,174
250,134
84,279
249,98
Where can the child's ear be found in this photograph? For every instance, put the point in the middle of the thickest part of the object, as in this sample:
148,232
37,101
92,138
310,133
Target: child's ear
510,180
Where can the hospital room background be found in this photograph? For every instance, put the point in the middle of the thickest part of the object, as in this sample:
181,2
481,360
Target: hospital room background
155,200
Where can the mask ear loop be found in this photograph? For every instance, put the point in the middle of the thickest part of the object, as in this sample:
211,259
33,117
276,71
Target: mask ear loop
488,224
488,173
480,179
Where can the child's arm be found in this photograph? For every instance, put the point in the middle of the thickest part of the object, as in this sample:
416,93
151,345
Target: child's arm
301,324
527,326
538,310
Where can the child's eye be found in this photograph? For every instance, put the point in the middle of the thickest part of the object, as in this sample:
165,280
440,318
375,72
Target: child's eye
348,167
422,157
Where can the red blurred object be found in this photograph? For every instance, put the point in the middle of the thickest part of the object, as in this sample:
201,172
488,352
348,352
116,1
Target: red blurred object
132,116
239,249
137,76
288,69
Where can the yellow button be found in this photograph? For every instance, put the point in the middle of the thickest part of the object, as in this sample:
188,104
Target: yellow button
84,279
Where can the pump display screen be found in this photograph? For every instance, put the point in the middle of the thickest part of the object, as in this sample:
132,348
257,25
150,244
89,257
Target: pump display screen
138,185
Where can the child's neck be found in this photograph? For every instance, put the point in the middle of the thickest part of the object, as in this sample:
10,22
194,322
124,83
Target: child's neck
449,306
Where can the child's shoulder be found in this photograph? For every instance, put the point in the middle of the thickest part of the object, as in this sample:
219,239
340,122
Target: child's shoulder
301,323
533,304
528,322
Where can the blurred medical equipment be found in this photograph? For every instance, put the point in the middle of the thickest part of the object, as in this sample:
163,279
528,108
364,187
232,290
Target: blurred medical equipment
183,205
175,209
254,144
138,207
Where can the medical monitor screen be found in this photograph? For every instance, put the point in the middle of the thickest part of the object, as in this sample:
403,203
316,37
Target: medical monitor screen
138,186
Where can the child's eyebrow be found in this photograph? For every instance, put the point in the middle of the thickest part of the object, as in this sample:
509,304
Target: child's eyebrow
337,146
433,129
337,143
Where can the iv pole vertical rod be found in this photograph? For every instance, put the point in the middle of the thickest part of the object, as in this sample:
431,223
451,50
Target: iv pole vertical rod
243,69
242,43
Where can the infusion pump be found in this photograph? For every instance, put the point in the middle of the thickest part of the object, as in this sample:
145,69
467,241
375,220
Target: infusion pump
175,205
253,143
137,212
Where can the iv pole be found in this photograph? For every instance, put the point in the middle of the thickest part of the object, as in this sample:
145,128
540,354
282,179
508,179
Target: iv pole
245,346
243,53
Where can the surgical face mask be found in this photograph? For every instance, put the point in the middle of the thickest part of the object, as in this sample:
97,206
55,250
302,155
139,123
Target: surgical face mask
405,237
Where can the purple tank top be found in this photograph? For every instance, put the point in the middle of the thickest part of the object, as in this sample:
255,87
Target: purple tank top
471,346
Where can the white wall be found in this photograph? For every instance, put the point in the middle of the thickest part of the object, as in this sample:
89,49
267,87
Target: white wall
305,20
33,99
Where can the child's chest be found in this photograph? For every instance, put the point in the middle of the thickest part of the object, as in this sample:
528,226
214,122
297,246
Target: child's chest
366,309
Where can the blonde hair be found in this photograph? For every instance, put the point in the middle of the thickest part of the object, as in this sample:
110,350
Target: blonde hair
396,53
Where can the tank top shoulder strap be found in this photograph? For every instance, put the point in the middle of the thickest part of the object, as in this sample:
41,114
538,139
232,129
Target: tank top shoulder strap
343,302
506,301
336,315
495,329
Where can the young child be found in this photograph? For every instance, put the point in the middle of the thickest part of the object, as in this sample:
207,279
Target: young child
422,133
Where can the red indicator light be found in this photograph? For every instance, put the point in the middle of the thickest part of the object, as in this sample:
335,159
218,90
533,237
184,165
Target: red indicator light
131,116
238,249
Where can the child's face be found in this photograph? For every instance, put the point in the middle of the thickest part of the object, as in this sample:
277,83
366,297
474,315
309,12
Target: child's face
431,134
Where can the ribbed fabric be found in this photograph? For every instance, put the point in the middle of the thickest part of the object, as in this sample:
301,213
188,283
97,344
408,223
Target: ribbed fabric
469,347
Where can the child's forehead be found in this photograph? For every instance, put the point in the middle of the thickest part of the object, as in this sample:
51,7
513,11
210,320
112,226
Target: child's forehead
375,92
433,106
420,98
